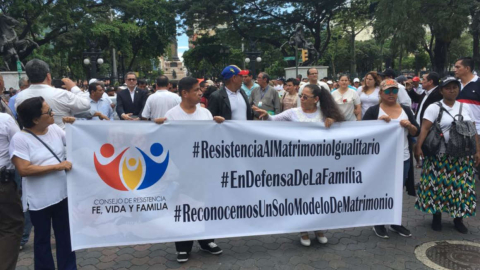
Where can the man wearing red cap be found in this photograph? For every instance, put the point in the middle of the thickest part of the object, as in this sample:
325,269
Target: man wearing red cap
417,86
248,83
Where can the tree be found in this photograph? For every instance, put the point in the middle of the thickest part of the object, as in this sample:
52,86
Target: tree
136,28
266,21
406,21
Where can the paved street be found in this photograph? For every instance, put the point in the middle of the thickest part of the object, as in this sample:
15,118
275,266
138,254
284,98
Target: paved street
356,248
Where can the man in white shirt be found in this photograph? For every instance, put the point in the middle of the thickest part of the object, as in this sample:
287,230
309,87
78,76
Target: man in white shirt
11,213
100,106
159,103
63,103
312,74
356,83
191,93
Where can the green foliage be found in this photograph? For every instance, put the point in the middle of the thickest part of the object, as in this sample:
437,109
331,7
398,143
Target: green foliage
138,29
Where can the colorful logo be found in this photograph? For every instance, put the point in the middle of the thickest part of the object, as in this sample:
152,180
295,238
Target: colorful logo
133,174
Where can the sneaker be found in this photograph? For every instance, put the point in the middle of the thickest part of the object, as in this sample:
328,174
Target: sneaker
321,237
182,257
400,230
305,240
460,226
437,222
212,248
380,231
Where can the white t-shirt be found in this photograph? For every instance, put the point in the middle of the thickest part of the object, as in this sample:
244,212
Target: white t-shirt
346,103
177,113
369,100
159,103
431,114
41,191
403,116
238,105
297,115
8,128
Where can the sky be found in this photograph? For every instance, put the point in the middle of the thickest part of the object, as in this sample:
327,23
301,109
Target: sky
182,44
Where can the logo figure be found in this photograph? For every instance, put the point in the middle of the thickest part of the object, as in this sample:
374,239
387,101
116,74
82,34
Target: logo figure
112,173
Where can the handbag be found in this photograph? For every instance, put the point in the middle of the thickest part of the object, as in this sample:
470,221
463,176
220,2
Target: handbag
49,149
462,136
434,139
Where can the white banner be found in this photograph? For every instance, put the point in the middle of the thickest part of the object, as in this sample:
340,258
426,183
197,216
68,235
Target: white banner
138,182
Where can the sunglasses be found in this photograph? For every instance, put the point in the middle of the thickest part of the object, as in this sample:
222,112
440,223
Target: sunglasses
49,112
391,90
304,97
132,80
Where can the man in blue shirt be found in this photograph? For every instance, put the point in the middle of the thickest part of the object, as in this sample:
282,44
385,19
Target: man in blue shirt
248,83
99,106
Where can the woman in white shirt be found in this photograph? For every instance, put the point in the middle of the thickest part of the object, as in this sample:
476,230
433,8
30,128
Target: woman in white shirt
447,183
348,100
369,91
44,181
328,113
389,109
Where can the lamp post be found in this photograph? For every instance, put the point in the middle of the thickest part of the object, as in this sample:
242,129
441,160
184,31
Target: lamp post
92,57
224,51
253,57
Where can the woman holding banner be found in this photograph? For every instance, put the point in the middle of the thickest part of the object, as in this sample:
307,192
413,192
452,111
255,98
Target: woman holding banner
327,113
447,182
389,109
38,153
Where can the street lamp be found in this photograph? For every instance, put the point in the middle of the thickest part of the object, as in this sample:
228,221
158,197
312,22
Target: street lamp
224,51
93,57
252,53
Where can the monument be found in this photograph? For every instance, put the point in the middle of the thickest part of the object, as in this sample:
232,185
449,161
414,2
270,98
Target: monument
172,67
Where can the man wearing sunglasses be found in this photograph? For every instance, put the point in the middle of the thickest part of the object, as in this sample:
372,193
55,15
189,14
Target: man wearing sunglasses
131,101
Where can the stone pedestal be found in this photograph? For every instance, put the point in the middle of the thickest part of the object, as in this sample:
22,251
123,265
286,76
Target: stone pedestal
171,66
11,79
322,72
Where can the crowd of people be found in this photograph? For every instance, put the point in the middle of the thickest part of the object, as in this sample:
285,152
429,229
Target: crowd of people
32,137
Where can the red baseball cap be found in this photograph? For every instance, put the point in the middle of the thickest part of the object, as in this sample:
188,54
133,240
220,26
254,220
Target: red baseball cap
416,79
244,72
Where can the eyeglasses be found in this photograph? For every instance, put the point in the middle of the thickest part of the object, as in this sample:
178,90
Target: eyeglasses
304,97
131,80
391,90
49,112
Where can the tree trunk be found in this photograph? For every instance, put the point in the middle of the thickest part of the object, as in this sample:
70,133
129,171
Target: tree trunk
439,60
400,61
353,68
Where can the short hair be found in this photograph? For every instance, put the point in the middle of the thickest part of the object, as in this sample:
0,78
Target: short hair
202,83
186,84
37,70
299,76
29,110
265,76
435,77
130,73
141,81
93,87
162,81
250,74
22,82
467,62
295,82
308,71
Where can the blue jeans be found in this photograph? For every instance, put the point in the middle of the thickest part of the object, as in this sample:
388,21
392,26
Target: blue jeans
57,216
406,168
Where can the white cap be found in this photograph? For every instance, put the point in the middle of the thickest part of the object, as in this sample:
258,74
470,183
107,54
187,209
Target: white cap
356,80
329,82
92,81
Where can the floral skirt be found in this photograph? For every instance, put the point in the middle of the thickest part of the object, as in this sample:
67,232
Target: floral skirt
447,185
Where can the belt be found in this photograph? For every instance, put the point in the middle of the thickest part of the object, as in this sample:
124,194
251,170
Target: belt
7,175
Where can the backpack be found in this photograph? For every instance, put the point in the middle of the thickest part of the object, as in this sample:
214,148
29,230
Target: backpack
462,136
431,144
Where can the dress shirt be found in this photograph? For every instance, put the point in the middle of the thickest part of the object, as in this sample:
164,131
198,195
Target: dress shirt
132,93
11,105
237,105
102,106
159,103
427,92
62,102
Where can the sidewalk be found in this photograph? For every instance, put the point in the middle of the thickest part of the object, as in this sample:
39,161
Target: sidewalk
356,248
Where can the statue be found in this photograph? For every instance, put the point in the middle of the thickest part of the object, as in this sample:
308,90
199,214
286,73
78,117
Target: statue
10,45
298,41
